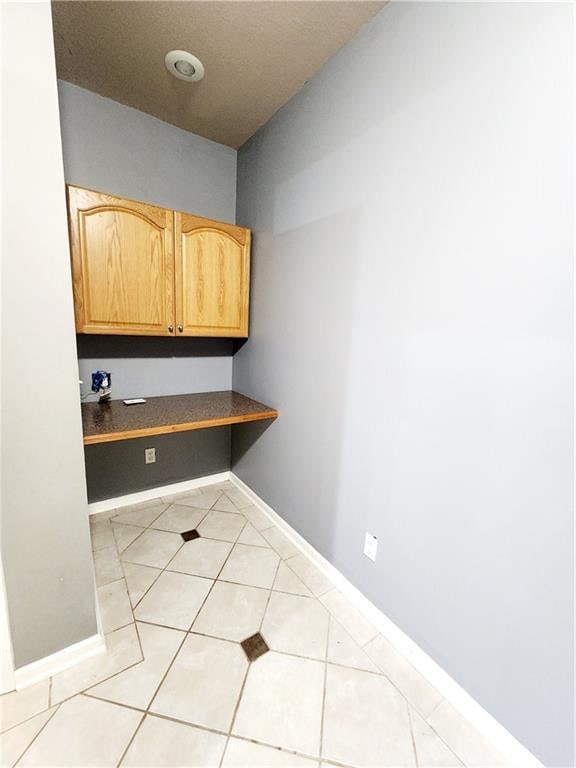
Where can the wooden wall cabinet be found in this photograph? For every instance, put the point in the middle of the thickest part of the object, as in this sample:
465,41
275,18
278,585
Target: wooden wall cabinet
212,276
143,270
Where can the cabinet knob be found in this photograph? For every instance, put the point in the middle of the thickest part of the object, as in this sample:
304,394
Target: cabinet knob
171,328
180,328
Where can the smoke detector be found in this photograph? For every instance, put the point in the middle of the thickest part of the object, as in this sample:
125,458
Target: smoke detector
184,66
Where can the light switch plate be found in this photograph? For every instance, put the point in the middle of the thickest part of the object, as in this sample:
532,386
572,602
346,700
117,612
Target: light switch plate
370,546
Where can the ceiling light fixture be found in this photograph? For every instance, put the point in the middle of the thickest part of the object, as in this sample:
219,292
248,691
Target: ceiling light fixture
184,66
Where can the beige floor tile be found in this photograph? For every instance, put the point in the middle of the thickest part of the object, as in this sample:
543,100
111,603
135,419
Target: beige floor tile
259,519
83,732
17,706
221,525
136,686
161,743
201,498
295,624
231,611
254,566
224,504
463,738
238,497
142,516
139,579
431,752
251,536
173,600
414,686
287,581
280,542
179,518
282,703
122,651
107,566
246,754
124,535
153,548
100,532
115,608
366,721
343,650
175,498
201,557
354,622
223,485
204,683
15,741
312,577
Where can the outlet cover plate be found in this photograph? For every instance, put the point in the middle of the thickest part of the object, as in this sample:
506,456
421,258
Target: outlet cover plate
150,455
370,546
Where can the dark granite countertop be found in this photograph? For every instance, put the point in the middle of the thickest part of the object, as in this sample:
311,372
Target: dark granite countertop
106,422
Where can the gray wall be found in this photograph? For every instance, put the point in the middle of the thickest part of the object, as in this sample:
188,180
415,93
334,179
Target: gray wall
411,320
45,539
142,366
116,149
114,469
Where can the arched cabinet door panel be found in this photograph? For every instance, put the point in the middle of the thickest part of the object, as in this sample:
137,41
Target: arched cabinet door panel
212,277
122,265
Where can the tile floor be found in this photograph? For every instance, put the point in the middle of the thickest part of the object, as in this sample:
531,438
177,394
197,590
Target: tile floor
176,687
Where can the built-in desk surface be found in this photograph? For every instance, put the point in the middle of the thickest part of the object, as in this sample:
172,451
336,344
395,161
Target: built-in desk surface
107,422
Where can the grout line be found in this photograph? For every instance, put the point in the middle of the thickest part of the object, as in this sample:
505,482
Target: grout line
241,692
216,731
315,596
160,570
236,708
139,640
442,700
147,590
191,631
247,521
323,707
103,680
412,738
440,738
162,626
168,668
118,550
122,756
56,708
185,636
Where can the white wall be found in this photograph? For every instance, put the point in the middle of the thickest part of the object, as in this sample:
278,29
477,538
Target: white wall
412,321
45,538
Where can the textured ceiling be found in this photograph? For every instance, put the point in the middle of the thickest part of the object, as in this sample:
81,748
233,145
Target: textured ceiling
257,55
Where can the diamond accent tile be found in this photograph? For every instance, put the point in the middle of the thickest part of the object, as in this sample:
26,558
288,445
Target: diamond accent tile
254,646
199,569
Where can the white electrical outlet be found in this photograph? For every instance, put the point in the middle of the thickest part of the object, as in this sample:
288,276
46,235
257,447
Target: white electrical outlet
150,455
370,546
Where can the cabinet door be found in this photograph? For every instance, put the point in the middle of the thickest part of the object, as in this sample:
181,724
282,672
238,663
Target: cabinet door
122,265
212,277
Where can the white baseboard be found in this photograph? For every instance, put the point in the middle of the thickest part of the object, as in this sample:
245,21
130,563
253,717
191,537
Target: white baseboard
502,740
155,493
493,731
59,661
